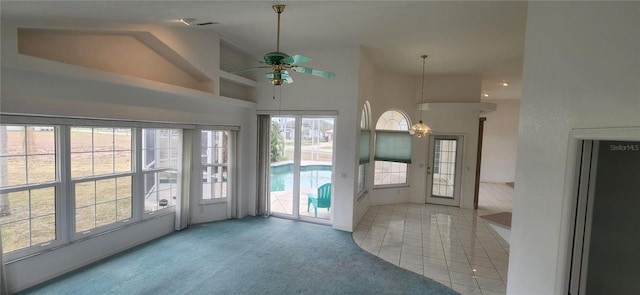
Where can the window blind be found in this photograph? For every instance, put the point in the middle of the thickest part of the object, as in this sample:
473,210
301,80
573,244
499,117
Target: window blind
393,146
365,138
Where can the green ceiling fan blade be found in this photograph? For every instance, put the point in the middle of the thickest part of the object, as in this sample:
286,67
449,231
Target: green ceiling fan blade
249,69
295,59
314,72
286,77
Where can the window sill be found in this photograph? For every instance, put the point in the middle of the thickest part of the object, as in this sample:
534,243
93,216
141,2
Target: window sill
212,201
159,213
384,186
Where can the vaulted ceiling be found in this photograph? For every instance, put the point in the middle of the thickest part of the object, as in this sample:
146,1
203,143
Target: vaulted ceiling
483,38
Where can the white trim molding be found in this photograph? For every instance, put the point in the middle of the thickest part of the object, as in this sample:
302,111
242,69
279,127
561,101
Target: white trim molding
576,136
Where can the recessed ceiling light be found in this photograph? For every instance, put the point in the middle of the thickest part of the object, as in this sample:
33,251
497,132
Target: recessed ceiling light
504,83
484,94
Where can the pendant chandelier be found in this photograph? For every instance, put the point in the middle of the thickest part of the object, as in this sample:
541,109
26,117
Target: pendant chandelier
421,129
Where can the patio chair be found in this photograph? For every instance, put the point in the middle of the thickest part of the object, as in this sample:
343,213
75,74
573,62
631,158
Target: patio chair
323,200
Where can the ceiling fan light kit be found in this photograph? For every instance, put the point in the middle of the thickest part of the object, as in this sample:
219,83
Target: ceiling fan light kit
421,129
280,62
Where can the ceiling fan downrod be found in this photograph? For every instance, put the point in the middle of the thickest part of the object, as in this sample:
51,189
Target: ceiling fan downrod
278,8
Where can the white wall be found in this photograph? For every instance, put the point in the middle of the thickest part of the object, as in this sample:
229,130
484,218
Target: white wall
392,91
41,87
450,88
448,122
402,92
581,70
36,269
310,93
459,96
499,142
125,54
366,91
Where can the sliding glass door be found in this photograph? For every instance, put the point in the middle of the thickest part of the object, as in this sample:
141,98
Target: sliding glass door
283,141
301,166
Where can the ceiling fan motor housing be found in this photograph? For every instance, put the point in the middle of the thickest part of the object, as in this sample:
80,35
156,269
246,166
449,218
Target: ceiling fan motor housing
274,58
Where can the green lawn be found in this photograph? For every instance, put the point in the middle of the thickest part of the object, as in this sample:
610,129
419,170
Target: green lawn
32,160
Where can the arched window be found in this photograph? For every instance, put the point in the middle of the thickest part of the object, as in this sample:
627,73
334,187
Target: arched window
393,149
365,143
365,117
392,120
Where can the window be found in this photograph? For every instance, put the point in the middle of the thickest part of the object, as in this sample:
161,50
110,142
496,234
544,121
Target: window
100,176
215,148
365,141
28,186
161,154
362,174
101,172
436,156
391,168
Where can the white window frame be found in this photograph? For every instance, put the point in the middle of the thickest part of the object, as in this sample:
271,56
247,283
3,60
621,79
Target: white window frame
391,185
58,187
363,173
231,164
375,163
145,171
73,181
65,185
362,178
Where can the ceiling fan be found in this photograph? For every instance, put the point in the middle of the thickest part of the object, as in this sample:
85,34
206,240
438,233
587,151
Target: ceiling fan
280,62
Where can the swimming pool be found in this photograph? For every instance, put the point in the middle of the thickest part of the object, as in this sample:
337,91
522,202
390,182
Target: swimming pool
311,176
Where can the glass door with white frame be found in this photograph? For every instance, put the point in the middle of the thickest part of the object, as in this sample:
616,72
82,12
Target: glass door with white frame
444,169
316,165
301,167
283,141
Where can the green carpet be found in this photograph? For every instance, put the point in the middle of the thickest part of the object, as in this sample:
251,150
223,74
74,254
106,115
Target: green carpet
253,255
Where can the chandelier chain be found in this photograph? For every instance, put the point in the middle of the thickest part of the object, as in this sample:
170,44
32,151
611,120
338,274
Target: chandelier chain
420,129
424,59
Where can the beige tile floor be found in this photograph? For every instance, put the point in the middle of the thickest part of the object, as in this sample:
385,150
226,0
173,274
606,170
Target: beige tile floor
495,198
450,245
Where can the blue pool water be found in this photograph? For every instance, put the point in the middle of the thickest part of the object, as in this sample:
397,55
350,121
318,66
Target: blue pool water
311,176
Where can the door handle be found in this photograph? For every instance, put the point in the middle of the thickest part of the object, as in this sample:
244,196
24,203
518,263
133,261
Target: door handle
428,170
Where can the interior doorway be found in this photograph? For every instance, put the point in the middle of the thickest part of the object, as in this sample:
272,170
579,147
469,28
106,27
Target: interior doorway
476,193
604,220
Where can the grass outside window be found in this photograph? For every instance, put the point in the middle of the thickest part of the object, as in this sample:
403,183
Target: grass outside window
100,187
